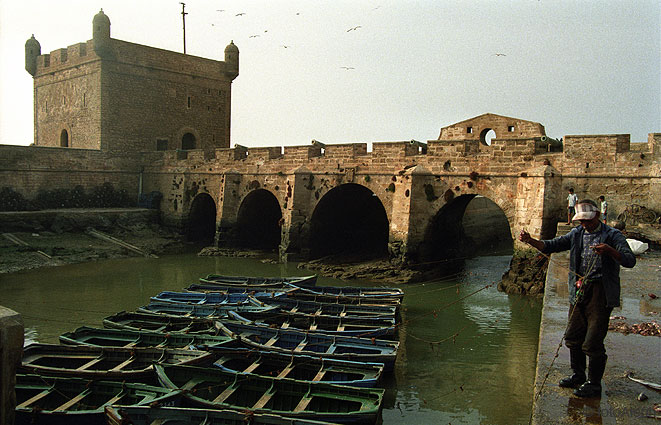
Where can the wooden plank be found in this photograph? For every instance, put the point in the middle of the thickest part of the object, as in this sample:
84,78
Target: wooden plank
34,398
313,327
331,349
271,341
302,404
252,367
319,375
225,394
123,364
264,399
286,371
301,346
74,400
116,398
90,363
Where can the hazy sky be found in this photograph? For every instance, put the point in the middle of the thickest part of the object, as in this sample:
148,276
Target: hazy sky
378,70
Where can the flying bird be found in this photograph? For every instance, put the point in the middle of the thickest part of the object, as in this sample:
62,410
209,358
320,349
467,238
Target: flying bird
500,54
240,14
285,46
354,28
347,67
220,10
254,36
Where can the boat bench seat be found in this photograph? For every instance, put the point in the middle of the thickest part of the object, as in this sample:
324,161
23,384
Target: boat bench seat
73,401
264,399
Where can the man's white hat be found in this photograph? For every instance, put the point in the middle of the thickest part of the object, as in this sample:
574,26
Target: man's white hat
585,212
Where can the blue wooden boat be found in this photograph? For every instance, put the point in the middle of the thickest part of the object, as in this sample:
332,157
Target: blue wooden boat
296,306
217,389
331,325
129,338
263,282
137,321
327,294
299,367
90,362
77,401
294,342
147,415
211,311
207,298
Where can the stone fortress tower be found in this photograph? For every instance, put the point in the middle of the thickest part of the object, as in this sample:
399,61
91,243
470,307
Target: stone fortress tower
112,95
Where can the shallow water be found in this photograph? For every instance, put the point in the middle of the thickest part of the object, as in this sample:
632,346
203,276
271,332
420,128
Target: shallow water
467,351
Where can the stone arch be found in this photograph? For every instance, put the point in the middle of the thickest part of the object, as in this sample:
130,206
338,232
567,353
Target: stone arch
258,221
188,138
487,135
202,219
64,138
466,226
349,220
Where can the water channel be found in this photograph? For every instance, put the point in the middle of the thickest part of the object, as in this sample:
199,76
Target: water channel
464,359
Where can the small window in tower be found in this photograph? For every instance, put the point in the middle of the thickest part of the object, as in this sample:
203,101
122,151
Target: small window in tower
208,108
84,100
510,128
208,91
189,102
469,130
161,144
64,139
64,101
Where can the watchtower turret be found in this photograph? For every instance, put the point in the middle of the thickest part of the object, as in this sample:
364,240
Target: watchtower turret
32,51
231,60
101,33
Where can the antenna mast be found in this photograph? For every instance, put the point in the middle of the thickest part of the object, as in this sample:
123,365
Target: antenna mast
183,18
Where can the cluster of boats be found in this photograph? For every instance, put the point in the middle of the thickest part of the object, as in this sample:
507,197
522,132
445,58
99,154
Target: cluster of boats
227,350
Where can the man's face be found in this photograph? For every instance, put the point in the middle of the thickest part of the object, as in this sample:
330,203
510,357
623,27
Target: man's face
591,224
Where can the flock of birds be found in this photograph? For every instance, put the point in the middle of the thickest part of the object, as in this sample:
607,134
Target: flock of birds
285,46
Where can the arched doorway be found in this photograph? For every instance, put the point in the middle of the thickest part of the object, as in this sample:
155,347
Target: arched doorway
202,219
467,226
64,139
350,221
258,221
188,141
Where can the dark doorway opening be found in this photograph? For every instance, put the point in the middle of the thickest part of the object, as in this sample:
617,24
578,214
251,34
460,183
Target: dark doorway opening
467,226
349,222
64,139
188,141
202,219
258,221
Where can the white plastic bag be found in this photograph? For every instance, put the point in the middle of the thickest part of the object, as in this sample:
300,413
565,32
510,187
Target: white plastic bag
636,246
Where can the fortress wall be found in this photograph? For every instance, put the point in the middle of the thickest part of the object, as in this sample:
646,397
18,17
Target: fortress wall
28,170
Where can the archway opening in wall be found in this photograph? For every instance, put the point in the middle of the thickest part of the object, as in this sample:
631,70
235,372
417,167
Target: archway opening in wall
349,223
64,139
487,135
258,221
467,226
188,141
202,219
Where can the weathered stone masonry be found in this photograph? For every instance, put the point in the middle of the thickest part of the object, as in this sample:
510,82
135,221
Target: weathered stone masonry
119,101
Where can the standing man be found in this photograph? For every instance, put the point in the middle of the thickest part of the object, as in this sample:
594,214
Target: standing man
571,204
603,207
596,253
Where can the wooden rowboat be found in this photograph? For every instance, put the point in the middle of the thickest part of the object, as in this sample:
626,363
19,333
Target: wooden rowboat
263,282
73,401
211,311
293,305
208,298
129,338
146,415
313,344
331,325
303,368
90,362
160,323
217,389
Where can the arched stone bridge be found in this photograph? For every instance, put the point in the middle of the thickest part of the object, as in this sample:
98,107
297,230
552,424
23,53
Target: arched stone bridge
403,198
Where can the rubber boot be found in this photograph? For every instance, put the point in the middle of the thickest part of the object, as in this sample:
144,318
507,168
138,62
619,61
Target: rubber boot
592,388
577,361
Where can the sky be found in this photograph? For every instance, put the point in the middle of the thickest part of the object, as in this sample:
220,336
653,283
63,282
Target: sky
348,71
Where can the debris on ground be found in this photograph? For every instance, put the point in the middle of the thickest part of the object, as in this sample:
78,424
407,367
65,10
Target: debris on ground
645,328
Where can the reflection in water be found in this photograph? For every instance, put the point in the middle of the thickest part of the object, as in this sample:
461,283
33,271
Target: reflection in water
484,374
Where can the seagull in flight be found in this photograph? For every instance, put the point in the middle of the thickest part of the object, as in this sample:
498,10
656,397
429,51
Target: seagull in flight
240,14
354,28
285,46
254,36
347,67
500,54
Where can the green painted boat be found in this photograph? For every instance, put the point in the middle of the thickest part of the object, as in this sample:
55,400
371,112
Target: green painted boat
146,415
212,311
74,401
217,389
90,362
129,338
260,282
160,323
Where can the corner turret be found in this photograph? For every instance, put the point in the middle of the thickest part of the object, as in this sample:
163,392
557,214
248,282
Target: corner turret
101,33
231,60
32,51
